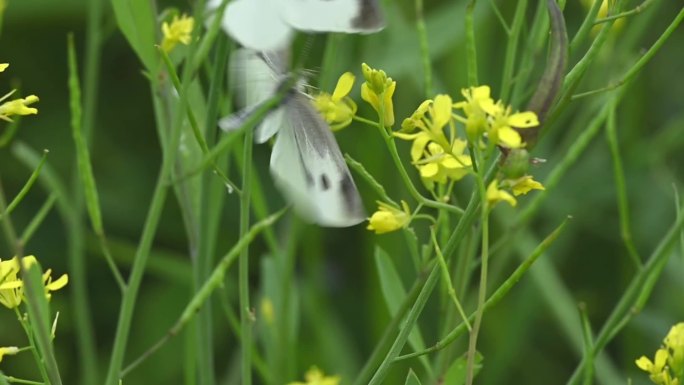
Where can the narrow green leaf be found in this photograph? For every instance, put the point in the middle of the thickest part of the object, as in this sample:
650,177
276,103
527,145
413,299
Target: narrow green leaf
27,186
39,316
38,219
412,378
136,19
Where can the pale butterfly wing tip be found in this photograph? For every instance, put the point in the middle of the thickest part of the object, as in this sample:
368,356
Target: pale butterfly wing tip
231,122
370,18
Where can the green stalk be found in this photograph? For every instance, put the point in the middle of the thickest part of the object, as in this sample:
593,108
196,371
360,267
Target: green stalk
25,189
471,52
424,48
512,49
246,316
482,292
620,187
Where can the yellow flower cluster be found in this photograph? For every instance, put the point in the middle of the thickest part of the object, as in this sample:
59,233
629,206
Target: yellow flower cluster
11,286
179,31
437,157
667,368
16,106
315,376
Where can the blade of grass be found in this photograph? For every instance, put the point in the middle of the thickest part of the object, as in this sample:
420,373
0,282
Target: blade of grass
37,219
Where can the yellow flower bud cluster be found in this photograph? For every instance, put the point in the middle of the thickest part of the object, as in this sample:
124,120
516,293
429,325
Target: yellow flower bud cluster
667,367
178,31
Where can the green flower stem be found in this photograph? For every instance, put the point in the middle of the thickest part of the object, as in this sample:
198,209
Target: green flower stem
512,49
25,324
407,326
37,220
471,52
447,278
482,292
8,228
620,187
497,296
635,296
643,60
424,48
212,283
586,26
588,340
208,39
246,316
25,189
636,10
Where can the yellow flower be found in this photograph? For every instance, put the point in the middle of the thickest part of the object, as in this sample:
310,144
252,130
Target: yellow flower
431,117
437,165
674,342
8,350
495,195
502,123
315,376
476,118
11,287
523,185
337,109
3,66
179,31
389,218
17,106
379,87
416,119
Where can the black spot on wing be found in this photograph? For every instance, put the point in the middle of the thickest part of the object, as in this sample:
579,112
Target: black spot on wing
325,182
350,194
369,17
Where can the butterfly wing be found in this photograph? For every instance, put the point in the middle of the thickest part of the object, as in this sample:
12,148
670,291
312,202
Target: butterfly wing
257,24
350,16
308,167
256,76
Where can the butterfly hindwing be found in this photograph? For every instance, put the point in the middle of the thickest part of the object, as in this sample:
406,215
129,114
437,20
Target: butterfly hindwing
308,166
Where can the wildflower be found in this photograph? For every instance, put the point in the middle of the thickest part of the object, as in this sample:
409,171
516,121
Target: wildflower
431,118
674,342
437,166
8,350
389,218
495,195
179,31
379,88
17,106
476,117
502,124
667,368
523,185
315,376
337,109
11,287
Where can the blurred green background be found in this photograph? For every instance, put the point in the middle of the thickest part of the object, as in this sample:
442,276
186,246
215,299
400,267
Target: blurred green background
525,340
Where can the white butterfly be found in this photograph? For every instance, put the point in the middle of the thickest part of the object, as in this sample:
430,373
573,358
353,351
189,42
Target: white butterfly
306,162
269,25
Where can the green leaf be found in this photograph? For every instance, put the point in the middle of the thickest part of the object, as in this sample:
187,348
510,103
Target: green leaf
137,22
412,378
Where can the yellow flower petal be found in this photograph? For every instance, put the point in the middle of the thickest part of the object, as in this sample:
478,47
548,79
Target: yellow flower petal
644,364
3,66
441,111
418,146
429,170
525,185
509,137
495,195
58,284
344,86
8,351
523,119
